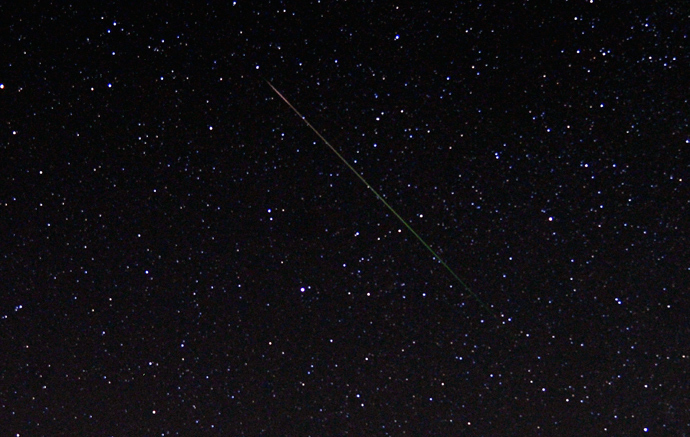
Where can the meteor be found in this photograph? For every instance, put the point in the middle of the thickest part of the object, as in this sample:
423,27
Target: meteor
390,208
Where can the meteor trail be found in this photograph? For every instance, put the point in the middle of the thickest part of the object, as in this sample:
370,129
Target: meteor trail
390,208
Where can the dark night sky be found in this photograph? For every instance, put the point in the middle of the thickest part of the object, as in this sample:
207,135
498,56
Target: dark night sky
181,254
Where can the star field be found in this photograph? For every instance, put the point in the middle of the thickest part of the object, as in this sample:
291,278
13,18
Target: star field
182,255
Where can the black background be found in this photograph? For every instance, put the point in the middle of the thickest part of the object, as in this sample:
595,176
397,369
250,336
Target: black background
181,255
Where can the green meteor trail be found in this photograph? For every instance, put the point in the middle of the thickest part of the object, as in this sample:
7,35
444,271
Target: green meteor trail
390,208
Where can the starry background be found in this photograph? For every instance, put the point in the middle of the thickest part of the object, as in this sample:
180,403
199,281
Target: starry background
181,255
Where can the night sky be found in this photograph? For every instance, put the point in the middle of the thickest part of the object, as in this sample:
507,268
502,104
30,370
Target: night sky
181,255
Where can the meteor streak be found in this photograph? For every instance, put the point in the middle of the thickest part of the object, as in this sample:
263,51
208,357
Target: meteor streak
390,208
